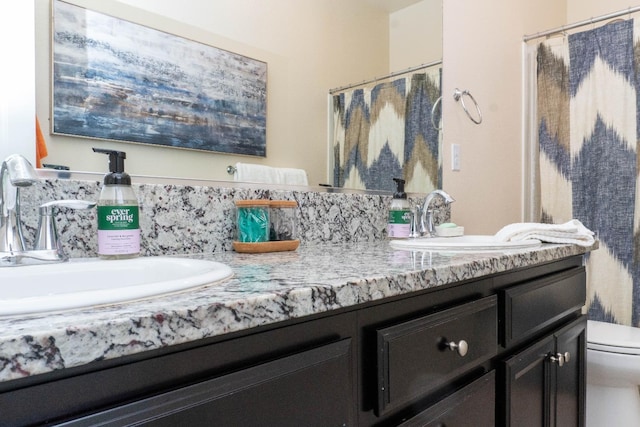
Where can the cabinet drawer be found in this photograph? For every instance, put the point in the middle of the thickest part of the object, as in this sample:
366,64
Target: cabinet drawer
529,308
311,388
414,358
472,406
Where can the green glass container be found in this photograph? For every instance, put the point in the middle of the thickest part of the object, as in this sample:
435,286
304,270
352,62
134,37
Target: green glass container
252,221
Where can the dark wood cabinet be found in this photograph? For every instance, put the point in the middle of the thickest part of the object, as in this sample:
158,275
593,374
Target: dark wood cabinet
473,353
527,385
535,305
423,354
311,388
571,386
465,408
544,384
296,374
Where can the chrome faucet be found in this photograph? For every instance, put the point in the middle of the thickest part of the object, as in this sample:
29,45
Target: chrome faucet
16,172
424,215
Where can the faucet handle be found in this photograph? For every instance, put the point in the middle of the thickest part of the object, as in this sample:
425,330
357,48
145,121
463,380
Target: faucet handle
415,229
47,235
430,225
47,208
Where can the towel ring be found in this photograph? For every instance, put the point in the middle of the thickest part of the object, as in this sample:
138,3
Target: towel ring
458,95
433,113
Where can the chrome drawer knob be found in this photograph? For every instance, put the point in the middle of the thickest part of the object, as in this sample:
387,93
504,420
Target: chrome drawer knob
560,358
461,347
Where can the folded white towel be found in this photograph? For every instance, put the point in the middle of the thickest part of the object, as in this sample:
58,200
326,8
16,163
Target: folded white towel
573,232
248,172
255,173
291,176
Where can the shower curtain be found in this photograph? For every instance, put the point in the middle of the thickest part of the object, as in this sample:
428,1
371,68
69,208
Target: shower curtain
385,132
587,117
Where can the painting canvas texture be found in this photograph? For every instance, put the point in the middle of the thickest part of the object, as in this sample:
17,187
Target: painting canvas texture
387,131
116,80
588,86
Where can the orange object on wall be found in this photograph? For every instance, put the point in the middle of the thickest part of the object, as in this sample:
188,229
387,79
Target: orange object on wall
41,145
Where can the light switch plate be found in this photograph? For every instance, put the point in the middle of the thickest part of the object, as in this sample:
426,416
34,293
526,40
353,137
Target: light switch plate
455,157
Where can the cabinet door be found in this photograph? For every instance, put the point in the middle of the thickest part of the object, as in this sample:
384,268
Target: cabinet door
571,344
527,386
311,388
545,383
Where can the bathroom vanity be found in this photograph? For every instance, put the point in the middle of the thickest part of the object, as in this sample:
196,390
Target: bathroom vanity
355,334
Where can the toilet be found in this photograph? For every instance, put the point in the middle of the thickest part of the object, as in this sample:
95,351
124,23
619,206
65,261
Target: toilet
613,375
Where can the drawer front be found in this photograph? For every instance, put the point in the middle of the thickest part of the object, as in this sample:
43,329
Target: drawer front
529,308
311,388
472,406
415,357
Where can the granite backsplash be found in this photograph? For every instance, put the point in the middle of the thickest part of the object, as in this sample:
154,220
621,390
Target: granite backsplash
188,219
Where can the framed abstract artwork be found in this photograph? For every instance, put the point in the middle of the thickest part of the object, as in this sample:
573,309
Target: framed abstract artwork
118,80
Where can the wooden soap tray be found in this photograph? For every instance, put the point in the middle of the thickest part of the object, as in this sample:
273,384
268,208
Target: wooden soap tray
262,247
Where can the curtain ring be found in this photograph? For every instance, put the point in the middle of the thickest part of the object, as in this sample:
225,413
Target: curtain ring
433,113
458,95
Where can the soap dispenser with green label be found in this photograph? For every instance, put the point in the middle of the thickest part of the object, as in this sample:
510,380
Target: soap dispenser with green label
399,226
118,220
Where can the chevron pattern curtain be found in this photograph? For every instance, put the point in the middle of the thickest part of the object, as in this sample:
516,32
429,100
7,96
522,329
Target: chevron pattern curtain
386,131
588,101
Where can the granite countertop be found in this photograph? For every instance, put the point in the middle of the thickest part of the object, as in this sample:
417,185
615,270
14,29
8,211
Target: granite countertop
265,288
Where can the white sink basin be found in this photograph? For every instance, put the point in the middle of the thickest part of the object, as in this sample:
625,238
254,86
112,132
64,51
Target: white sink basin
83,283
471,243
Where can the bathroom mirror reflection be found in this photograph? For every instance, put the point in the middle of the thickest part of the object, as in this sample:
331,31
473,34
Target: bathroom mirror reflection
310,47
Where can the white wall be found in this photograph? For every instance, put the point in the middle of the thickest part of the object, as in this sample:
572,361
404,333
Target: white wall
483,54
311,46
17,93
579,10
415,35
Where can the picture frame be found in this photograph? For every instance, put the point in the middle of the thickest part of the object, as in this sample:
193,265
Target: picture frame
117,80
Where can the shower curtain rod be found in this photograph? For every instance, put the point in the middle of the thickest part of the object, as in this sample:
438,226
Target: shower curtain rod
388,76
582,23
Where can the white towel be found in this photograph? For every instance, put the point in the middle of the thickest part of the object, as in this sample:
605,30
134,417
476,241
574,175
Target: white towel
255,173
291,176
573,232
248,172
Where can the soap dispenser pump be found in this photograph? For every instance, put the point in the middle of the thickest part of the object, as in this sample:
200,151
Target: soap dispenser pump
399,225
118,212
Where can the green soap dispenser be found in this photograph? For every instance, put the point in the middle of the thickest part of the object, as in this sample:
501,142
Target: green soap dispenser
399,225
118,212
